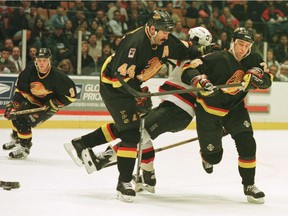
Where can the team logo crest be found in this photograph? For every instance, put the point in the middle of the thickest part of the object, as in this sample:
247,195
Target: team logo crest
210,147
246,123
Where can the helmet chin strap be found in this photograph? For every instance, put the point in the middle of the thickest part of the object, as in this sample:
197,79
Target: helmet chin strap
150,35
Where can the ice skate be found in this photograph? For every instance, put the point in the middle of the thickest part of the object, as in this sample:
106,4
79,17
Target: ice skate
12,144
74,149
146,181
207,167
125,192
254,195
22,151
94,162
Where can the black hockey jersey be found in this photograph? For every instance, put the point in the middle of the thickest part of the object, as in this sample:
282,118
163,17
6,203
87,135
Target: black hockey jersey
137,61
222,68
39,90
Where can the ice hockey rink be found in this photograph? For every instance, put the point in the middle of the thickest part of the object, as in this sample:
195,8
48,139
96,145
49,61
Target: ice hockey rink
51,184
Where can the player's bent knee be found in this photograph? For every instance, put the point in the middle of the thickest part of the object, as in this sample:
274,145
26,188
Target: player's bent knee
213,158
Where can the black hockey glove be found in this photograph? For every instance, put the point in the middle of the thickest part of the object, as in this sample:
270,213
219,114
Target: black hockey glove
253,79
52,106
144,104
10,110
201,81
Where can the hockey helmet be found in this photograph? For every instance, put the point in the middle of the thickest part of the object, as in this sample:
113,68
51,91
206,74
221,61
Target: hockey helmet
200,36
161,20
243,34
43,53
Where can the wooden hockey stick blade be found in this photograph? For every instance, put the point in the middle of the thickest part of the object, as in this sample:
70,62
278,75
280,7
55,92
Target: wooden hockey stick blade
27,111
135,93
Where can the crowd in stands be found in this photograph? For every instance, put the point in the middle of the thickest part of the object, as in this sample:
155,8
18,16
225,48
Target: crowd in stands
55,25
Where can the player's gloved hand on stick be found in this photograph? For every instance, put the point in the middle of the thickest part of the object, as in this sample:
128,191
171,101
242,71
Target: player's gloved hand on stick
52,106
10,110
201,81
143,104
253,79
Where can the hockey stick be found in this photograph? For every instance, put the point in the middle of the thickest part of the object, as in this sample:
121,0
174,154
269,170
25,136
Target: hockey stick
27,111
161,149
139,154
225,133
135,93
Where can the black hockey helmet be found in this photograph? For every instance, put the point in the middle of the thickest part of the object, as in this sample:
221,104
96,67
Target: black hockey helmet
43,53
161,20
243,34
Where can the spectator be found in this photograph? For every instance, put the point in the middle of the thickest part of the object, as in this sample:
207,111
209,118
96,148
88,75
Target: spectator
258,45
92,7
169,9
177,32
35,13
60,47
31,54
151,6
59,18
281,49
123,16
66,67
72,12
224,41
38,34
93,26
106,52
15,57
117,27
133,22
6,66
239,10
274,69
94,50
271,60
228,17
192,11
254,12
88,65
102,20
248,24
69,30
283,72
214,24
5,11
8,43
115,44
17,22
77,19
275,20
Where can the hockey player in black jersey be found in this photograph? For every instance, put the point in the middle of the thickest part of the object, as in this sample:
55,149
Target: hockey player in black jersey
226,107
140,55
173,114
38,86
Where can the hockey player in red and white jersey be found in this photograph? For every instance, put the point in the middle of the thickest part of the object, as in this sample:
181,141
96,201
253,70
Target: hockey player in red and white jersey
174,113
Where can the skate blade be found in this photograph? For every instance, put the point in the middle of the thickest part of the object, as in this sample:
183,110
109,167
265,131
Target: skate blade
125,198
73,154
144,187
251,199
88,162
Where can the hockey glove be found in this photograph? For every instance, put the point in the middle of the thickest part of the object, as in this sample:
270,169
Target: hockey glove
201,81
10,110
253,79
143,104
52,106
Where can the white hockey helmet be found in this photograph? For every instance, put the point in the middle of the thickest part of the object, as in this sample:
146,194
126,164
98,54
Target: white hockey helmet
200,36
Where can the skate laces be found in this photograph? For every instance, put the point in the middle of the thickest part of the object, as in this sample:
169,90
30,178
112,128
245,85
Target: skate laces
106,154
253,189
11,144
127,185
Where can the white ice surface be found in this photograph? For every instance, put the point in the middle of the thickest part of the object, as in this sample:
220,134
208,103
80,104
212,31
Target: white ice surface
52,185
